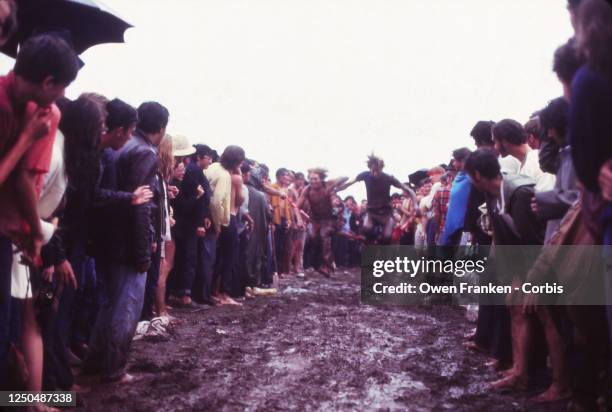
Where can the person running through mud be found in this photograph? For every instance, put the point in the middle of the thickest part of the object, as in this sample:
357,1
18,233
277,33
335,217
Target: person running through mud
378,188
319,196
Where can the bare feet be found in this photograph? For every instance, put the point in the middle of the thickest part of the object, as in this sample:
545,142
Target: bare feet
553,394
229,301
475,347
470,335
512,381
509,372
224,299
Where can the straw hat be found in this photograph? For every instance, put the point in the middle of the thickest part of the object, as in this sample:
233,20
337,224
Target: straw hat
181,146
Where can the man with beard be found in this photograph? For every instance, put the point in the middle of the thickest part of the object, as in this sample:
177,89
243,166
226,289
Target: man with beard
319,194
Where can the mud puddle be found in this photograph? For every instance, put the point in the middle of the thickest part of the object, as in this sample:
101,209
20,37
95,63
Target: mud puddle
312,346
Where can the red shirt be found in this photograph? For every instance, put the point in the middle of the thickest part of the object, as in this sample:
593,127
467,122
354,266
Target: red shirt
440,206
38,156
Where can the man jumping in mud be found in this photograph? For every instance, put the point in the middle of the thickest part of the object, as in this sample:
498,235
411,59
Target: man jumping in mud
378,188
319,194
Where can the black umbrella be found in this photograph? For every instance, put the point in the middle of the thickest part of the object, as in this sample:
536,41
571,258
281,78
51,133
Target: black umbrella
85,22
416,177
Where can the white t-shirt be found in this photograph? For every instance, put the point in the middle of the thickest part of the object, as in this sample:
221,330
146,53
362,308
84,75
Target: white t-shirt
531,168
51,195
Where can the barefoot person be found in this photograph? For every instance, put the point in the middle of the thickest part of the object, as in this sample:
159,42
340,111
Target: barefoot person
513,224
319,194
378,188
223,178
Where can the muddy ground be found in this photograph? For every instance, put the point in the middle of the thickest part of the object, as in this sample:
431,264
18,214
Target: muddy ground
310,347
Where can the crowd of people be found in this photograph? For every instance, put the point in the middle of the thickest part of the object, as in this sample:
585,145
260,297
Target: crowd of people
106,220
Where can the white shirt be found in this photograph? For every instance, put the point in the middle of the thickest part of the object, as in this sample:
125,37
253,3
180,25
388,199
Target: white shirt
531,167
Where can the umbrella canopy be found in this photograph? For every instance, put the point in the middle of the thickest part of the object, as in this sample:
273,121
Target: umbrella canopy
86,23
416,177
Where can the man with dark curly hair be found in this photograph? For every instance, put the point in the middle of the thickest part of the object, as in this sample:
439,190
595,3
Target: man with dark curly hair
378,188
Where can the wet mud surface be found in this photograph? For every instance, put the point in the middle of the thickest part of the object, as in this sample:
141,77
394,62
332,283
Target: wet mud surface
311,347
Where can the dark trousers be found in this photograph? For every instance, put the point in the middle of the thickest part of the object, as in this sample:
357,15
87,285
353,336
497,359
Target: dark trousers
485,326
308,260
341,251
407,238
86,304
354,248
227,253
57,334
6,260
186,261
280,242
148,308
501,339
57,374
241,271
268,261
206,257
122,291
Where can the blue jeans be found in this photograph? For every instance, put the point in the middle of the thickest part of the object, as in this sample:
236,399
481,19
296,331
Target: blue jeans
6,261
121,299
206,257
86,303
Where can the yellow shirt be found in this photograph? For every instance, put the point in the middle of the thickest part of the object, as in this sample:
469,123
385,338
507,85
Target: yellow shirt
275,203
220,202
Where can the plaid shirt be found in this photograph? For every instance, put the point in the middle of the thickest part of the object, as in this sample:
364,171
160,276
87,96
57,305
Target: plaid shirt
440,207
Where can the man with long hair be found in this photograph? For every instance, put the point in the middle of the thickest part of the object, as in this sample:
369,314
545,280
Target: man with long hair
319,194
226,184
378,188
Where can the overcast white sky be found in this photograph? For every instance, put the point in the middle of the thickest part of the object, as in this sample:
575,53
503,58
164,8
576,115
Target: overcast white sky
301,83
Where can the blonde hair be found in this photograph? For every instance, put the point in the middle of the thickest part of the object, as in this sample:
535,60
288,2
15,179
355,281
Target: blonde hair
165,158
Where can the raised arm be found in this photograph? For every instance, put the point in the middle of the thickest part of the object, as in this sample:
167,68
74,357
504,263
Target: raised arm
268,189
348,183
334,185
407,190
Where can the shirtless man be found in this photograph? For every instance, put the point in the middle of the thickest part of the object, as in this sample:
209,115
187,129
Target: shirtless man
319,196
378,187
298,231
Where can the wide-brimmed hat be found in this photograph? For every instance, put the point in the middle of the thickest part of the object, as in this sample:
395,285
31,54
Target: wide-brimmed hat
181,146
